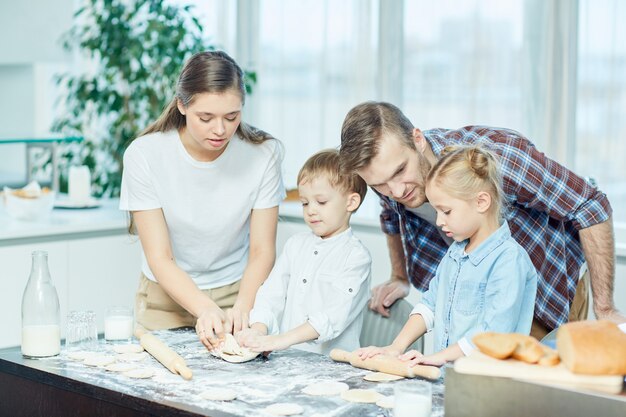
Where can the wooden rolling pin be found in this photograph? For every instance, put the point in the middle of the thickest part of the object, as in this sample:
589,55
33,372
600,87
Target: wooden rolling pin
163,353
386,364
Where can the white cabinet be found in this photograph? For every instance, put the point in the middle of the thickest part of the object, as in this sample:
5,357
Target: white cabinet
89,274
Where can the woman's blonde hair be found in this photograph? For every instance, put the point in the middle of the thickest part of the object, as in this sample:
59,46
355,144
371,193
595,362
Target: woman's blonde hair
464,171
326,163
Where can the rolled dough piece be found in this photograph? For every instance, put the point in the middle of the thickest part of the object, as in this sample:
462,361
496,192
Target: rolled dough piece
132,356
361,396
134,348
386,402
232,352
381,377
326,388
120,367
99,360
140,373
219,394
80,355
284,409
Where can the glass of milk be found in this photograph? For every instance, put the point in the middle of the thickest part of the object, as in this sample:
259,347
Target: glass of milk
118,324
412,399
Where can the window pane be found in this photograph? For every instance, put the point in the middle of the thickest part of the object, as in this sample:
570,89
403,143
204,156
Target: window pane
463,63
601,97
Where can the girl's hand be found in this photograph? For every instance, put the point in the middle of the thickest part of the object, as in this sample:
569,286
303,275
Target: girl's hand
414,357
236,319
210,327
267,344
371,351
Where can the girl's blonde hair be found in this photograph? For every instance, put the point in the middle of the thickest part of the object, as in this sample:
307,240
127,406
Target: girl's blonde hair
464,171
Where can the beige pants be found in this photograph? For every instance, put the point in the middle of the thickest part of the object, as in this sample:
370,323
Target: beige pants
579,309
155,310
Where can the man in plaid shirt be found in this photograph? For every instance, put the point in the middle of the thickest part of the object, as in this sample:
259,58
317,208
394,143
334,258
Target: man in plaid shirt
560,219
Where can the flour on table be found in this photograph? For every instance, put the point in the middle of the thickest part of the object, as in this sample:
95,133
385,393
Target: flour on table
361,396
120,367
133,348
284,409
326,388
386,402
381,377
80,355
219,394
99,360
139,373
132,356
232,352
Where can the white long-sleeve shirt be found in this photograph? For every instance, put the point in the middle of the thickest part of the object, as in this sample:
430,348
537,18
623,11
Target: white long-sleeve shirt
324,282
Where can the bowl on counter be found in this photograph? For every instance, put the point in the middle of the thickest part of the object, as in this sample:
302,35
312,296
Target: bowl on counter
28,208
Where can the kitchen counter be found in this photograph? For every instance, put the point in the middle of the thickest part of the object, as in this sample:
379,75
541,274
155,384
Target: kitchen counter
104,220
63,387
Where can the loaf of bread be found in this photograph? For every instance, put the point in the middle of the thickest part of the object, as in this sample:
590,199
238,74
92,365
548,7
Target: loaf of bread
592,347
528,349
496,345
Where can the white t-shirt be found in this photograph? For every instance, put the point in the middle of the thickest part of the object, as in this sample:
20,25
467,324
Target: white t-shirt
324,282
206,205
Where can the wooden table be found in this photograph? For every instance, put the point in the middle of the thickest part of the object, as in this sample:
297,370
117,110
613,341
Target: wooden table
60,387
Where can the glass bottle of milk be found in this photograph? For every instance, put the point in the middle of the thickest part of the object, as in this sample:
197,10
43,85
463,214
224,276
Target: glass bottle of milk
41,317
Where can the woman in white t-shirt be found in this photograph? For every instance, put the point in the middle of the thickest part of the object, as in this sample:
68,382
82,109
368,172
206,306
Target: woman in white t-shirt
203,189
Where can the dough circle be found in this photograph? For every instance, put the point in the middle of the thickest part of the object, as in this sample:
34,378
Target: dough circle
232,352
132,356
284,409
128,348
381,377
361,396
120,367
99,360
140,373
80,355
326,388
219,394
386,402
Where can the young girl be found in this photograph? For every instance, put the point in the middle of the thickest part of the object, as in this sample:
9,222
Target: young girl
203,190
315,295
485,281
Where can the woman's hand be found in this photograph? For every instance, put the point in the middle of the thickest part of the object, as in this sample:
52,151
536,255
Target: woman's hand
236,319
210,327
371,351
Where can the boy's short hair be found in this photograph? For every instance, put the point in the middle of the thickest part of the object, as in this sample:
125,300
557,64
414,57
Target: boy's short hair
326,163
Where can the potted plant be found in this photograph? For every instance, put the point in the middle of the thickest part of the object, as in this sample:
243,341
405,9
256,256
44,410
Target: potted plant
133,51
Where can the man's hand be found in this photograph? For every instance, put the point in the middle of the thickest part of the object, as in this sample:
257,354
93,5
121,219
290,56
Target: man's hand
611,314
236,319
384,295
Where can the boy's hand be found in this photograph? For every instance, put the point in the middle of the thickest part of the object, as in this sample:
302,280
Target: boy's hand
371,351
249,336
266,344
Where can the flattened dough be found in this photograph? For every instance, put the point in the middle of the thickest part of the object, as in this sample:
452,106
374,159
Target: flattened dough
134,348
326,388
386,402
361,396
381,377
232,352
99,360
140,373
132,356
120,367
284,409
219,394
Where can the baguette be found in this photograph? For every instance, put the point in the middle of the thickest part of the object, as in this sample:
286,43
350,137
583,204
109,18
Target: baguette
592,347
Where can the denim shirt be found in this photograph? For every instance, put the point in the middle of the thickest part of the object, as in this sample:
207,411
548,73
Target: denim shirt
492,288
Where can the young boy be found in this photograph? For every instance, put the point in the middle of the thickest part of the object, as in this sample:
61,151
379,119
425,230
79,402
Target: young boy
315,295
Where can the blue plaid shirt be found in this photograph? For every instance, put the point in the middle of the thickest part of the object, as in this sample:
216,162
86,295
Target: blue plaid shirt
547,205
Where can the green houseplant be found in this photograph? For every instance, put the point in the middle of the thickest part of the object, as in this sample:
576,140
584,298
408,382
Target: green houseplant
133,51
